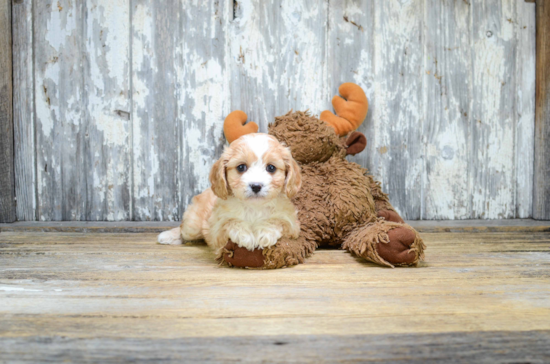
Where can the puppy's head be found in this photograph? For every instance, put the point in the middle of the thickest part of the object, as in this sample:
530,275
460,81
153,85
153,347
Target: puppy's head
255,167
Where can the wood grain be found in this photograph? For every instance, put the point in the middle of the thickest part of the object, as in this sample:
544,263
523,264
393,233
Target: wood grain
456,347
278,54
447,96
59,90
541,193
493,119
156,116
351,46
104,289
397,124
379,47
203,94
428,226
525,26
7,183
23,110
107,123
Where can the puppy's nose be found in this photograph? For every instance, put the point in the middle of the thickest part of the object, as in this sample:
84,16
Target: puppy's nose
256,187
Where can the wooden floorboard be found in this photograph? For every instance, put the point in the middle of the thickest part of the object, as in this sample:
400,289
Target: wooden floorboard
424,226
478,297
455,347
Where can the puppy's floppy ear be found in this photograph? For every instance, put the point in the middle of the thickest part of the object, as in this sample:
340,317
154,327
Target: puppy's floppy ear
293,180
218,180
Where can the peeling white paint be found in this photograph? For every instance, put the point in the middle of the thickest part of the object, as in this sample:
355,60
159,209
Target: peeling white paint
492,179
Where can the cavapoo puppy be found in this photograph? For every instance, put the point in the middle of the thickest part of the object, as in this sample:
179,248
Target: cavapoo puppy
249,199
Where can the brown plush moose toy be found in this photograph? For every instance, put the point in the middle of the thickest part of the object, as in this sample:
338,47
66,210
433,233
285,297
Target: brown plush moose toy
339,203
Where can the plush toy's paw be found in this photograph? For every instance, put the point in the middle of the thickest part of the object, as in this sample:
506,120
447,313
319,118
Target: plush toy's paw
389,215
287,252
237,256
386,243
398,250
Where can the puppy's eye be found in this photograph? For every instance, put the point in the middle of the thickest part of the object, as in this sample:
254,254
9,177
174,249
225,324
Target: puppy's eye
241,168
270,168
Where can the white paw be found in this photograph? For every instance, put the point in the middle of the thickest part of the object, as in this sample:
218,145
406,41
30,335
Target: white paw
243,239
170,237
268,237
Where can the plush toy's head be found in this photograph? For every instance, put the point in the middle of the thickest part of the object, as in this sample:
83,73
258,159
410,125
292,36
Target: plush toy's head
309,139
314,139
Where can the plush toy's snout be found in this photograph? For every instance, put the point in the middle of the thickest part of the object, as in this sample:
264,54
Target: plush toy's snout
355,143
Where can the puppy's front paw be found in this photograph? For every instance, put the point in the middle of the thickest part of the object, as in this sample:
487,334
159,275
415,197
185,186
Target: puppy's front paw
268,237
170,237
243,239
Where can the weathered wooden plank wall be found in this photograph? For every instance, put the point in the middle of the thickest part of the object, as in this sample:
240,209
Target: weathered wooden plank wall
119,104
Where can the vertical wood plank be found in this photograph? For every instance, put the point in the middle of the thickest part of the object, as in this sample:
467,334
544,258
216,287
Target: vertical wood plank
156,118
525,25
448,95
398,116
7,183
494,119
59,89
541,193
278,55
350,58
23,110
203,93
107,119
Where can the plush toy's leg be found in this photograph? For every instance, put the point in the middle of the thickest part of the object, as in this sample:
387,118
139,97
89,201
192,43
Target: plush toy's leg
387,212
386,243
285,253
382,203
288,252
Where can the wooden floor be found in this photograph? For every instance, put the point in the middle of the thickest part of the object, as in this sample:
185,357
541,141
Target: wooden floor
104,297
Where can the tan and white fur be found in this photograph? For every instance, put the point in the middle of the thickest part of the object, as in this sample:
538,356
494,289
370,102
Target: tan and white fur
248,205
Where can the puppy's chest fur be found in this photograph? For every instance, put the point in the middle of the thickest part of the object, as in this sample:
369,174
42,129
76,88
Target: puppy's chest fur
254,224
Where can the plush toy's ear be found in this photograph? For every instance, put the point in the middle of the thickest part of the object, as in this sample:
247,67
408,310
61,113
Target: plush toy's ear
355,143
234,126
351,111
218,179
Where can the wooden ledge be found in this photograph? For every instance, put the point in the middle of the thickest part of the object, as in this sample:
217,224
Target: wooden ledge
470,226
425,226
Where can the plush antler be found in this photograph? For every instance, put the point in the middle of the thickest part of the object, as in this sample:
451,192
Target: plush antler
234,126
351,113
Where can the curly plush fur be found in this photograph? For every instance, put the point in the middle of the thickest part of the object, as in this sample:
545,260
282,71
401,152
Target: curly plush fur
339,204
